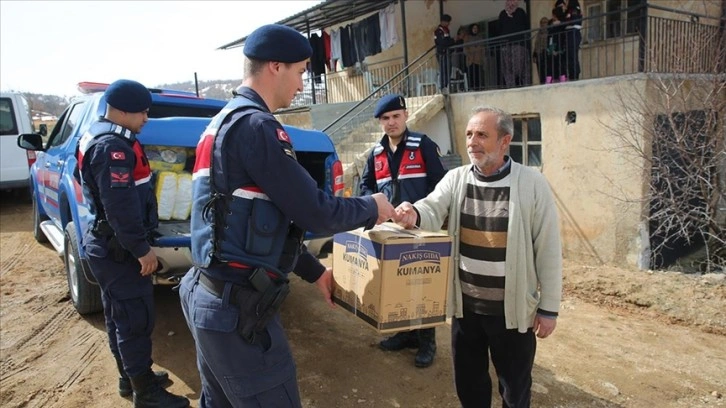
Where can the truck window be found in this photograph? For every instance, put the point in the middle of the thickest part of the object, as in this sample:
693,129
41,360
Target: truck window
72,118
8,125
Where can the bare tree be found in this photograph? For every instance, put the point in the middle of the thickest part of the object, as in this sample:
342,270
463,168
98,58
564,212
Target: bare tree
676,130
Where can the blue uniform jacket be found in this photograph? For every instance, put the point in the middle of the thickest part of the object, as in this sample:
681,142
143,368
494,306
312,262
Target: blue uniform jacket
257,155
407,189
114,169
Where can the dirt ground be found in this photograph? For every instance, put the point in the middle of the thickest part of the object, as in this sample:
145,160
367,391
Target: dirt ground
625,338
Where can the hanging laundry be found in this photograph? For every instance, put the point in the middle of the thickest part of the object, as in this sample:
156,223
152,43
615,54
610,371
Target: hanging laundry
387,22
335,53
317,60
326,44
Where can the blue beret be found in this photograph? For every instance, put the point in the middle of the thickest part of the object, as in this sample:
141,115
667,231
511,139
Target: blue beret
128,96
276,42
389,103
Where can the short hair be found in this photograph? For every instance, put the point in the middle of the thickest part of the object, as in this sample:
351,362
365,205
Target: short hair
505,124
252,67
446,17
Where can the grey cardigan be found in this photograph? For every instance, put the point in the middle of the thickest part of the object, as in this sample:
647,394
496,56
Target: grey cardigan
533,269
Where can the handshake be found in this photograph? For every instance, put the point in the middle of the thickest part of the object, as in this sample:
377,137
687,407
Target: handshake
403,215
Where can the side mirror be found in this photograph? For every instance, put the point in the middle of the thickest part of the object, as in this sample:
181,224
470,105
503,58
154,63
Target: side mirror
43,129
30,141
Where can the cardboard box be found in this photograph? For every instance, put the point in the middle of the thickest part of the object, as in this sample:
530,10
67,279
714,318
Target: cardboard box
394,279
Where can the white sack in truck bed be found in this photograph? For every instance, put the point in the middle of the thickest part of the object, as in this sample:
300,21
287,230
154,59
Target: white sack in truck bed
183,199
166,186
174,195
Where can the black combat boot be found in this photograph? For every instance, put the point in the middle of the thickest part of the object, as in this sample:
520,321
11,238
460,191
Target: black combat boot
124,384
149,394
400,341
427,347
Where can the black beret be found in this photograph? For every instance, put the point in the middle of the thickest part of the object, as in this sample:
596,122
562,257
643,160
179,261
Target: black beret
276,42
389,103
128,96
446,17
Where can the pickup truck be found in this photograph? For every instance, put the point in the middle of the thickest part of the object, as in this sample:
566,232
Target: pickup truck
176,122
14,120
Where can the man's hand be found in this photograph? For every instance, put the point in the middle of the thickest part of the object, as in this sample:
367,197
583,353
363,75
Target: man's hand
544,326
385,209
149,263
325,285
406,216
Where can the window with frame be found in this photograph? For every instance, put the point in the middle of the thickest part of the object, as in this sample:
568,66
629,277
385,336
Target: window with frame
8,125
526,146
73,117
621,18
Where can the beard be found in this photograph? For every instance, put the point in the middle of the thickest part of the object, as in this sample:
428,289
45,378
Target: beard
485,160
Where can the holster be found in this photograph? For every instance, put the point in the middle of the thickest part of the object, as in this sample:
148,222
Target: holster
103,229
259,304
292,248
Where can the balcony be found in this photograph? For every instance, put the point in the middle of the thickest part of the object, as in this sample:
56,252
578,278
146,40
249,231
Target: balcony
643,38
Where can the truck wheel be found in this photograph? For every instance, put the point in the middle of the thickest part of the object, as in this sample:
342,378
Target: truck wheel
38,233
86,297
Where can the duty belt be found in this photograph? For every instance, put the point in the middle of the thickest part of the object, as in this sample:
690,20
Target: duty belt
216,287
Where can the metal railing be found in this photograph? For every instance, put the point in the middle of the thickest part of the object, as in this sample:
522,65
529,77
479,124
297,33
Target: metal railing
315,91
356,131
614,43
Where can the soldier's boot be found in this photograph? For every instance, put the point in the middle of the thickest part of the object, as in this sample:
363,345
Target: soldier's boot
400,341
149,394
427,348
124,383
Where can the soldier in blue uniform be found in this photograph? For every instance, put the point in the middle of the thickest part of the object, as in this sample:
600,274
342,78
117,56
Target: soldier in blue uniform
252,202
116,180
405,166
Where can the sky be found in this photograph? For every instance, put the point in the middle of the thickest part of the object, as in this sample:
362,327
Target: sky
48,47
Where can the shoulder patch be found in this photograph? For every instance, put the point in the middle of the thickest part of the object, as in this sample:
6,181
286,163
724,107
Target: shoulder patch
290,153
282,135
120,177
118,156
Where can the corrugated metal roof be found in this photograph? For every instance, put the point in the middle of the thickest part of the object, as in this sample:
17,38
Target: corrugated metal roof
324,15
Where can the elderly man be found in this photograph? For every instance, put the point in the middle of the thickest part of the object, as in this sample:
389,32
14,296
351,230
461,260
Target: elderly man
405,166
252,202
506,278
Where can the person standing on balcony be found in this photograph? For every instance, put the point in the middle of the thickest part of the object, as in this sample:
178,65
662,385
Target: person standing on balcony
405,166
506,286
573,25
540,49
515,66
252,202
474,57
443,40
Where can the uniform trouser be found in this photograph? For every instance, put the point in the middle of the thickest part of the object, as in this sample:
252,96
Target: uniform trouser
444,69
473,337
128,309
235,373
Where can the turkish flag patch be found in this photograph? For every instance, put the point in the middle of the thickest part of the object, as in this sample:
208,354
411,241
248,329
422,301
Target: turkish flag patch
118,156
282,135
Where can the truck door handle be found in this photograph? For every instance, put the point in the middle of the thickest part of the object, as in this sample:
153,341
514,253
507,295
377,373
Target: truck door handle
60,163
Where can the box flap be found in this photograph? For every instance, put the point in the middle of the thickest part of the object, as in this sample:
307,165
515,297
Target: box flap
389,230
